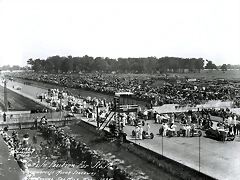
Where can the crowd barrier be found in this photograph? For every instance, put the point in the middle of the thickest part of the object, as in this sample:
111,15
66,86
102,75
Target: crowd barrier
19,123
33,116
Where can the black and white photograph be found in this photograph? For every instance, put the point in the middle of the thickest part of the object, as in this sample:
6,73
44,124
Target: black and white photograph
119,90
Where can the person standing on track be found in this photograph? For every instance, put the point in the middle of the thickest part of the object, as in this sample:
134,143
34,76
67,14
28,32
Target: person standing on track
224,137
164,129
4,117
148,129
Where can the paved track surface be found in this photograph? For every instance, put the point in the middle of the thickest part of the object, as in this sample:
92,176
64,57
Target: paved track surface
217,159
17,102
77,91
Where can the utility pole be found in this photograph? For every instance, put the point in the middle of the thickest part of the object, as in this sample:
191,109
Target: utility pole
162,144
5,96
199,154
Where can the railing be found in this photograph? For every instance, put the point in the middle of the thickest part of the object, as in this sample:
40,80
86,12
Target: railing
48,115
24,118
26,121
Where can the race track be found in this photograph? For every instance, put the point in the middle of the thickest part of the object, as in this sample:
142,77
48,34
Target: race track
75,91
18,102
217,159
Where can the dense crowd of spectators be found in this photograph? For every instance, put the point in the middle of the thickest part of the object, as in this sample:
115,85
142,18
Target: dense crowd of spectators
175,93
67,148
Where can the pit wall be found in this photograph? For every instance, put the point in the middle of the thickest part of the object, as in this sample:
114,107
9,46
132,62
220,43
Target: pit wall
171,166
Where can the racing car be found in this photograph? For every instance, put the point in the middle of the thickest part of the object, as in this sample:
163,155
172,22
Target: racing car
219,134
193,132
145,135
170,132
18,88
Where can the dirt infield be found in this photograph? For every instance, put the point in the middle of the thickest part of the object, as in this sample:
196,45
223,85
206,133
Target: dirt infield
230,74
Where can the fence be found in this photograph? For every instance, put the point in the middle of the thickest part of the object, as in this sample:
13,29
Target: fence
22,118
28,120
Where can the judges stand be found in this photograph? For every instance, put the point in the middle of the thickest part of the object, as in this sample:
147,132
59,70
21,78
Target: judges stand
113,119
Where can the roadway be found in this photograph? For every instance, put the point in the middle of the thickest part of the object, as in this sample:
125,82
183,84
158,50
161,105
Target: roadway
217,159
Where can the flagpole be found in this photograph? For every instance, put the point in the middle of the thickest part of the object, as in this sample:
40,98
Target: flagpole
162,143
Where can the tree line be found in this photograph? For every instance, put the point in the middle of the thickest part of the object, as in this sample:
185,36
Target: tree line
12,68
55,64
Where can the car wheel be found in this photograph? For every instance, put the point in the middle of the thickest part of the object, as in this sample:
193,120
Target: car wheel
152,135
144,133
169,134
133,133
219,138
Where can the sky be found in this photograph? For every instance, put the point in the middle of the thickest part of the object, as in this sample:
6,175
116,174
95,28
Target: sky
208,29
